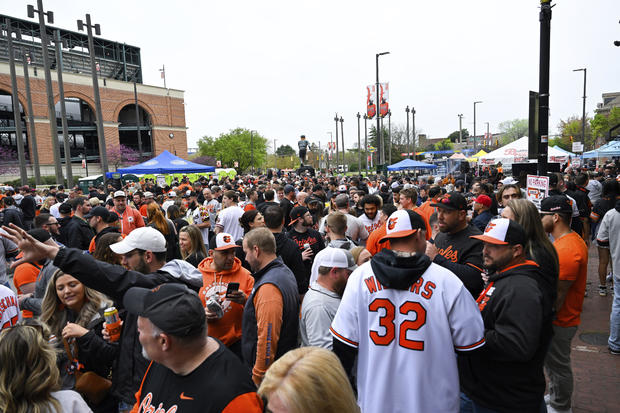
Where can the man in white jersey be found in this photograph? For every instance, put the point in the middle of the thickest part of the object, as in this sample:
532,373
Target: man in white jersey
405,317
9,308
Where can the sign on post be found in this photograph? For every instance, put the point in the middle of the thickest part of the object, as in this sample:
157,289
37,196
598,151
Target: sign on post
537,188
161,180
577,147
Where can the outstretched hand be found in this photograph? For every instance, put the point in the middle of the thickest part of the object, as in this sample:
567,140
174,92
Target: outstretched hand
33,250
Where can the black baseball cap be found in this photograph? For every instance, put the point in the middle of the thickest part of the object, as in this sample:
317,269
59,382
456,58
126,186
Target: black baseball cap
98,211
288,189
556,204
172,307
39,234
452,200
64,208
297,213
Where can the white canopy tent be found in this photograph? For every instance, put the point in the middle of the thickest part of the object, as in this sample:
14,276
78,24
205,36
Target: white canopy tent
517,151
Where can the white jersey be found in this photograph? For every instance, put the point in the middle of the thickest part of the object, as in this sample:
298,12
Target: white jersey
9,308
200,215
407,339
370,224
228,219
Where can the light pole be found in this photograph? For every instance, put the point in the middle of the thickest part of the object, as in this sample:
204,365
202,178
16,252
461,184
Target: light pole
488,135
103,157
252,150
275,155
63,110
460,115
366,141
163,74
583,116
475,143
48,82
359,147
342,138
32,135
543,85
380,154
337,153
19,137
413,131
408,147
390,137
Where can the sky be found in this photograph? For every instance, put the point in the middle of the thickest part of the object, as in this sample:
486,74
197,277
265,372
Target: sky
285,68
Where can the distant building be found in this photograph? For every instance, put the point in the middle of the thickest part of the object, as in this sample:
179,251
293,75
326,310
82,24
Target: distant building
610,100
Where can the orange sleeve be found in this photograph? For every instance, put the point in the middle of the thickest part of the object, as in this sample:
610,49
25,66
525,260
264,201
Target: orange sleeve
372,243
246,402
138,218
569,262
268,303
92,245
143,210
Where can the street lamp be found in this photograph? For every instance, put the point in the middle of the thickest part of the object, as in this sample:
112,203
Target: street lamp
583,116
475,103
380,154
342,137
460,115
336,120
408,147
413,131
389,136
359,148
366,141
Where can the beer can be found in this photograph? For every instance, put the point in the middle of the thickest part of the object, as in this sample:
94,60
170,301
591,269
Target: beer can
112,323
111,315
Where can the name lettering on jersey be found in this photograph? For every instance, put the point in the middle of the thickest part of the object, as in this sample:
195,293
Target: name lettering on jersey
7,302
370,228
448,253
303,241
147,407
427,288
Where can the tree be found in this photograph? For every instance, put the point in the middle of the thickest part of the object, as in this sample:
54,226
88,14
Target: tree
204,160
119,155
512,130
601,124
570,131
444,145
454,136
235,146
285,150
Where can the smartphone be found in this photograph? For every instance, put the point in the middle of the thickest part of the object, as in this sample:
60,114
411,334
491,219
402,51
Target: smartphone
232,287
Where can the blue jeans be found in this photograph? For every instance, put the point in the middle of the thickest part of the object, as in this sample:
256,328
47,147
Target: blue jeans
614,319
470,406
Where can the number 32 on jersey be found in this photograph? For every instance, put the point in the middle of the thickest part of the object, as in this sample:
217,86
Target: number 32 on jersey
387,322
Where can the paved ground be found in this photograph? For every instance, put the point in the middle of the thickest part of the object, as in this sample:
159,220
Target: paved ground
596,371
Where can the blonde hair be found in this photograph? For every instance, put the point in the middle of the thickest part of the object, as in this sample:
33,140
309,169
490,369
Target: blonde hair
196,241
52,310
29,374
309,379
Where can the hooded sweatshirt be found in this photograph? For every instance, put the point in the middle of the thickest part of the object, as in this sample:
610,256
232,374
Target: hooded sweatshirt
228,328
291,256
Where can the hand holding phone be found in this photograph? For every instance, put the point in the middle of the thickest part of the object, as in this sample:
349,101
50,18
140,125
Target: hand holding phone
232,287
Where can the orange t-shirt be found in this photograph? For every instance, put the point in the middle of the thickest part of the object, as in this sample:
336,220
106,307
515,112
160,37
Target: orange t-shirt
248,207
25,273
372,243
573,258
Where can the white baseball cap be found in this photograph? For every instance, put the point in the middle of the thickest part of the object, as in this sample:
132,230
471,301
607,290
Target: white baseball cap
335,257
342,188
172,194
509,181
145,238
224,241
148,194
502,231
119,194
402,223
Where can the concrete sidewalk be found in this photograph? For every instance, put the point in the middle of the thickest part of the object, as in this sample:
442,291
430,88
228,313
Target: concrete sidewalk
596,371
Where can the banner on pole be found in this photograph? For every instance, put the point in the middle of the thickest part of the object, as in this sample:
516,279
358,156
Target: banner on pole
537,188
371,96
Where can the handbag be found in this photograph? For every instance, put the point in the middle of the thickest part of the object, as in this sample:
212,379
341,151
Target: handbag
89,384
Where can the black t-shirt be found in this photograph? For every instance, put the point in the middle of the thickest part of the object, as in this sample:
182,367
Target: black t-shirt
221,382
311,237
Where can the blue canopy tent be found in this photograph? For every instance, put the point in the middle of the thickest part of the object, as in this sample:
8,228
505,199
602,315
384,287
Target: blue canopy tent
410,164
608,150
166,163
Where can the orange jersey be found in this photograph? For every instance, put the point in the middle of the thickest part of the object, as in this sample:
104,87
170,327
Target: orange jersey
573,259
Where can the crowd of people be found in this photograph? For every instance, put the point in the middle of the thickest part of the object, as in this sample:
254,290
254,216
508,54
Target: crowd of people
300,293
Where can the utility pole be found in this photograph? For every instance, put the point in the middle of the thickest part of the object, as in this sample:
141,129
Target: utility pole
337,154
380,154
19,136
583,116
48,82
475,143
252,150
413,131
390,136
359,146
488,134
408,146
163,75
543,84
460,115
63,110
32,135
366,142
275,155
342,138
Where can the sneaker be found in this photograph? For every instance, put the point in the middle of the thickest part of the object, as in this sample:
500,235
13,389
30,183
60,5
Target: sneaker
547,398
602,290
614,352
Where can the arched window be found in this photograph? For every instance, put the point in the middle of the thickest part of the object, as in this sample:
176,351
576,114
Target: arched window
8,135
82,130
128,133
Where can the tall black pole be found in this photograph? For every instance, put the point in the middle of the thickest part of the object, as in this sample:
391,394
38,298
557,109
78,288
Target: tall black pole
366,141
413,131
460,128
138,132
48,83
32,136
337,157
390,137
103,157
583,116
408,147
543,84
475,140
380,153
63,110
359,146
252,150
19,137
342,138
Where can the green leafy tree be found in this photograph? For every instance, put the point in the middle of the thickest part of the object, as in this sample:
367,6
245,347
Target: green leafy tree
512,130
444,145
454,136
601,124
570,131
285,150
235,146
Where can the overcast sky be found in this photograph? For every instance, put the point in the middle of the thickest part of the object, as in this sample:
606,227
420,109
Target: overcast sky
284,68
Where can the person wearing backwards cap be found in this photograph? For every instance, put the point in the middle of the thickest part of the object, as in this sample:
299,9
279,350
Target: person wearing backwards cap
333,267
507,374
129,217
404,317
144,258
103,222
189,371
482,204
572,252
304,235
218,270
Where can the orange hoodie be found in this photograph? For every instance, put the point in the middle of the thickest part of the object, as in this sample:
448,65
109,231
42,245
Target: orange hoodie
228,328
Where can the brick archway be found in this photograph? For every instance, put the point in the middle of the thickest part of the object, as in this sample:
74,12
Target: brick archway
141,104
78,95
20,96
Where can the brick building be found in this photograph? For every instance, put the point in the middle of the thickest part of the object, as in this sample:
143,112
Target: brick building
161,111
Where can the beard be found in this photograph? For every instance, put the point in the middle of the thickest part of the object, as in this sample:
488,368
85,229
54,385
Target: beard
142,266
145,354
497,264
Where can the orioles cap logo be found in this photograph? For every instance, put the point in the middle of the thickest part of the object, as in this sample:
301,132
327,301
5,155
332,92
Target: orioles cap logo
226,238
392,223
490,227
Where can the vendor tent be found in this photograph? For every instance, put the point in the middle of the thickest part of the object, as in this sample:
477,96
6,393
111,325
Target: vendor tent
166,163
517,151
564,151
410,164
458,156
474,158
606,151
